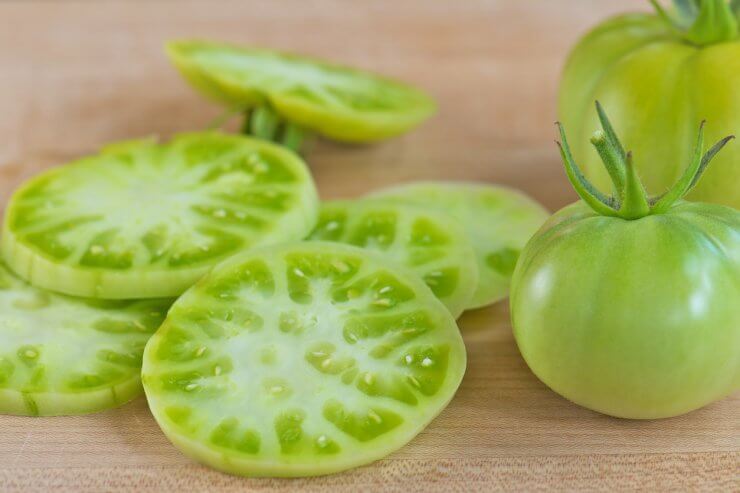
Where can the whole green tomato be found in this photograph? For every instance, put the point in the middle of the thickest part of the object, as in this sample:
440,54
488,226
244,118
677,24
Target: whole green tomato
628,305
659,75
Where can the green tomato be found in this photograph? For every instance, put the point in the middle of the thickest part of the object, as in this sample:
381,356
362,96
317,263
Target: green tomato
428,242
337,102
61,355
633,318
627,304
658,81
301,359
146,220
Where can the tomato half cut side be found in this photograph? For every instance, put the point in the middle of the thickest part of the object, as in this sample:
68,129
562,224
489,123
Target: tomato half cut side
61,355
498,220
302,359
428,242
335,101
144,220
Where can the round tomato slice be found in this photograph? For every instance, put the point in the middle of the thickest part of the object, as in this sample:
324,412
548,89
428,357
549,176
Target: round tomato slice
63,355
302,359
337,102
428,242
142,220
498,220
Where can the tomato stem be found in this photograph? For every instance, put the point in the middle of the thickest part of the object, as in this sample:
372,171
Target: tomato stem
634,203
687,11
630,200
293,137
703,22
708,157
614,164
265,123
684,183
610,150
609,132
590,194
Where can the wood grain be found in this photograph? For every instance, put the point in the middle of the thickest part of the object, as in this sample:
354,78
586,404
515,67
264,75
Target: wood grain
74,75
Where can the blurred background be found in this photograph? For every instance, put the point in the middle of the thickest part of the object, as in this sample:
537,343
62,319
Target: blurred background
77,74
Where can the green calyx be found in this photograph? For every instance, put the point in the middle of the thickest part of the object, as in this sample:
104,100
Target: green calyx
264,123
702,22
630,200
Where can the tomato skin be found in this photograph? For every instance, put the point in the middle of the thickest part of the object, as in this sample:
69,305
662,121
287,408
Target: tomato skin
633,318
657,88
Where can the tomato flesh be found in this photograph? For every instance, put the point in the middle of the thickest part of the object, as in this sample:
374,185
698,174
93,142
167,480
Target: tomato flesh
301,359
428,242
64,355
147,220
498,220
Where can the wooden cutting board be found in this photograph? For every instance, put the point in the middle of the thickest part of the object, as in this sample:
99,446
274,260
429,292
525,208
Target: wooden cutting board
74,75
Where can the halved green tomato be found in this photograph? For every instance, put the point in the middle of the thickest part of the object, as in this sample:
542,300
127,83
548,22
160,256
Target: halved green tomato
301,359
337,102
142,220
63,355
428,242
498,220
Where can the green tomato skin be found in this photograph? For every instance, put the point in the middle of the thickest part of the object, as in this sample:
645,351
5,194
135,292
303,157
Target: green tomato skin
656,89
633,318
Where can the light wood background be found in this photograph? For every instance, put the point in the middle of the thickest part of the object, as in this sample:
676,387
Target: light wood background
74,75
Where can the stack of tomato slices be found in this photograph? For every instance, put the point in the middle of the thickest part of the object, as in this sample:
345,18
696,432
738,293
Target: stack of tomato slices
278,335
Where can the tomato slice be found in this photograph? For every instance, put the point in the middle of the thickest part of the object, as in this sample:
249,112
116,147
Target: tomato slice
142,220
428,242
63,355
498,220
337,102
301,359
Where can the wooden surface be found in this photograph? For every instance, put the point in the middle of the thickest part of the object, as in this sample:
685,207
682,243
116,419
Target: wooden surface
74,75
